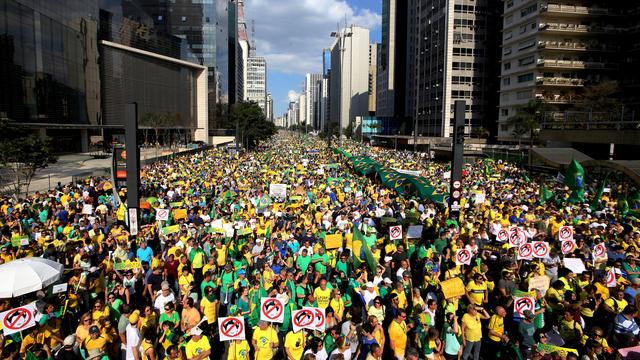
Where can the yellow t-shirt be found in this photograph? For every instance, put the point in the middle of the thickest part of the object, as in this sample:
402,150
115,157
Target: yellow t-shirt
476,291
294,342
99,343
472,327
209,309
616,305
239,350
496,323
264,341
323,297
398,334
194,348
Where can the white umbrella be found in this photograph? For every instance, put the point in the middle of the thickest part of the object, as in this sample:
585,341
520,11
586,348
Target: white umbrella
22,276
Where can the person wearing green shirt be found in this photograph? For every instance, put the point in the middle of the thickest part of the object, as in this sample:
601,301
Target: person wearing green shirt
227,278
343,266
440,243
207,281
302,290
320,261
303,261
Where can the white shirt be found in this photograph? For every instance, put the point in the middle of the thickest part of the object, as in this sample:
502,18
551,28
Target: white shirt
133,340
162,300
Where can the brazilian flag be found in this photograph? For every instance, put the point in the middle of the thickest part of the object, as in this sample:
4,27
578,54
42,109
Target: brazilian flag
365,251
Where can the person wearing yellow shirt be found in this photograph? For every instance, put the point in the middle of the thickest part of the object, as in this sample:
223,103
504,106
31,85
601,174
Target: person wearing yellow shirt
35,337
239,350
294,344
570,330
472,331
185,281
322,294
209,305
615,304
477,292
496,328
265,341
198,347
337,304
6,255
402,296
96,340
398,330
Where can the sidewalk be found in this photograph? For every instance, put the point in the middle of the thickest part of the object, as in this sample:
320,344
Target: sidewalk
73,166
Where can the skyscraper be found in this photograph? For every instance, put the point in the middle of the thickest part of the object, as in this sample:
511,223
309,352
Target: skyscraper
453,59
256,82
349,75
311,89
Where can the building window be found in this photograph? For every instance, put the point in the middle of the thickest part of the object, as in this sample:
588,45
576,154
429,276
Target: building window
508,20
526,60
160,17
526,44
504,112
504,127
506,81
528,10
183,19
523,95
508,35
507,65
509,4
507,51
525,77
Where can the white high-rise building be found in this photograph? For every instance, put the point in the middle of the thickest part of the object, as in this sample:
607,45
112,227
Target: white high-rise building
311,89
256,82
349,91
302,115
269,107
323,108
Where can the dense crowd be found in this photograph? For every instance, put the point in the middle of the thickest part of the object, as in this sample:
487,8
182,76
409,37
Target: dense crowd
228,243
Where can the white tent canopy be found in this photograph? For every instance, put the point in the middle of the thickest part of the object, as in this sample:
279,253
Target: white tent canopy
23,276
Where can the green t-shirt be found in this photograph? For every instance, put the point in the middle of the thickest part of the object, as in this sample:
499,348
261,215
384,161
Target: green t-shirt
205,284
303,262
343,266
322,269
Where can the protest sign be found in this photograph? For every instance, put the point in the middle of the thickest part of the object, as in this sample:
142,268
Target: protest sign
452,287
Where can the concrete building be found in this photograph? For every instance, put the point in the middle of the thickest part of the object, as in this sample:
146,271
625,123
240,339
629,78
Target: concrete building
373,74
349,95
256,82
554,51
269,107
453,59
311,89
392,60
323,108
244,49
302,114
68,68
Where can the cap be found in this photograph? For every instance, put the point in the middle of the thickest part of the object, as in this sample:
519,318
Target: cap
369,284
387,258
134,317
387,280
528,314
195,331
165,285
242,272
94,330
69,340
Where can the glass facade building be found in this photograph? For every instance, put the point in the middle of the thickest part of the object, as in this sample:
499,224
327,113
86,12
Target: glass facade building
57,77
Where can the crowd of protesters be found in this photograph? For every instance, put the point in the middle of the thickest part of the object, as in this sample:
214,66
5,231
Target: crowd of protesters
200,264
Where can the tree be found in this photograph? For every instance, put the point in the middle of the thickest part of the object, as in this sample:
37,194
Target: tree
22,154
527,119
480,132
600,98
251,123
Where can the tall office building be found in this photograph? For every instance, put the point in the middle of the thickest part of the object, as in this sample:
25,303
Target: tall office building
302,114
453,59
244,49
391,73
323,108
373,71
256,82
210,29
555,51
269,107
68,68
349,82
311,90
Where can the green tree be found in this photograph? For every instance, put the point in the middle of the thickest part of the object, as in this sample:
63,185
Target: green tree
480,132
600,98
527,119
22,154
251,123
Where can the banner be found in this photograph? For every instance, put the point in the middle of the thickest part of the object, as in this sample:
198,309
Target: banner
452,287
127,265
272,310
539,283
170,229
18,319
333,241
179,214
19,240
278,190
231,328
561,351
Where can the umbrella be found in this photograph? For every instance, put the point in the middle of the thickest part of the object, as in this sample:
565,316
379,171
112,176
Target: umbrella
22,276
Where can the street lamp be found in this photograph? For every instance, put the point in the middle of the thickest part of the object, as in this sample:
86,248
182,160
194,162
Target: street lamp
341,35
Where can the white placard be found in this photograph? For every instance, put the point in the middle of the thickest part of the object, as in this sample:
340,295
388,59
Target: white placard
231,328
575,265
278,190
87,209
18,319
272,310
162,214
59,288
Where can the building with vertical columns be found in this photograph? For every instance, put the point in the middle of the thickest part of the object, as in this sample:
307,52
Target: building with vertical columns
311,89
455,43
256,82
349,76
373,71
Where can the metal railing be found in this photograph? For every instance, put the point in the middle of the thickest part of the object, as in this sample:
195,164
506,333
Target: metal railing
566,45
559,81
575,64
588,120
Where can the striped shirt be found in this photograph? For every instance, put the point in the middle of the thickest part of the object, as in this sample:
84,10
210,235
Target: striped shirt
622,325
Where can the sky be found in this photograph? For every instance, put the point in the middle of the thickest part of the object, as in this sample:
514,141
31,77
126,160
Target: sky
291,34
